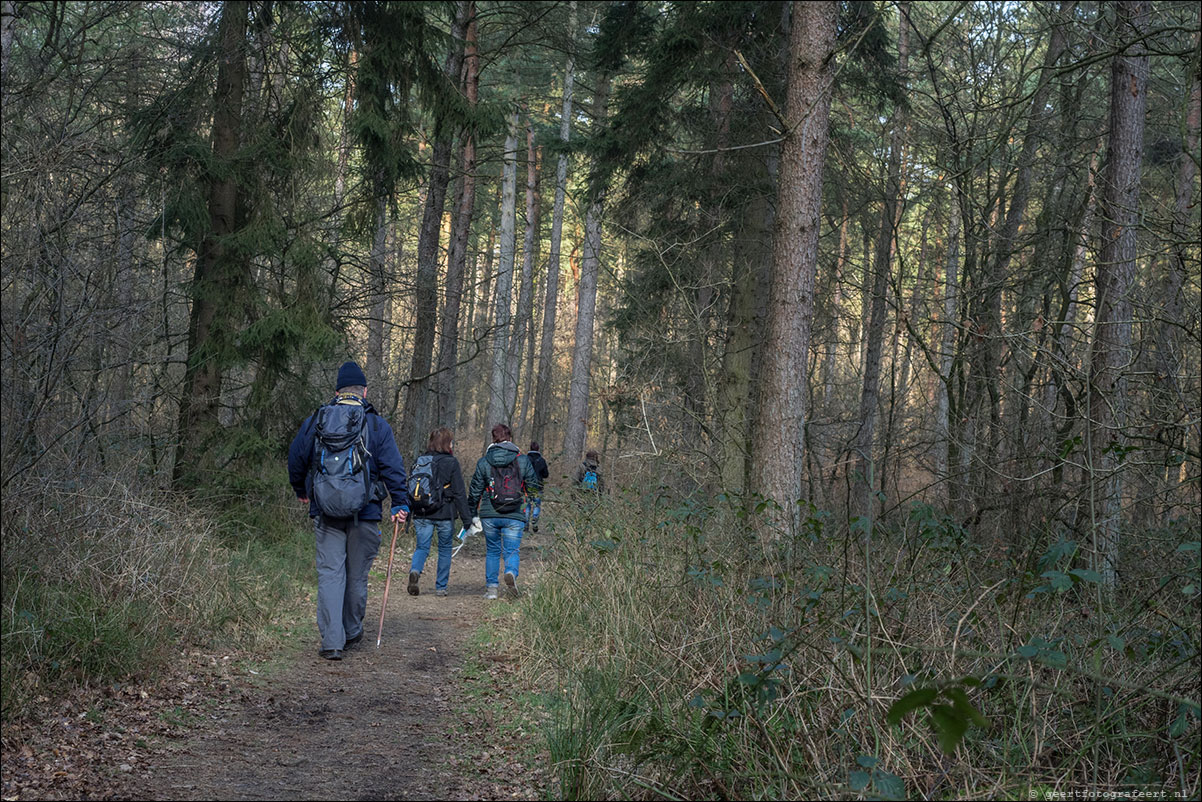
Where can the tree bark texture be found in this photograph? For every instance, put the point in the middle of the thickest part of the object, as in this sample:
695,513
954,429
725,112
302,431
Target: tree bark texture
219,271
448,346
576,429
546,349
524,330
420,397
500,402
1114,280
867,479
778,438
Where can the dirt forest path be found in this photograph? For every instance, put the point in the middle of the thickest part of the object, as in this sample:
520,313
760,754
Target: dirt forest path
386,723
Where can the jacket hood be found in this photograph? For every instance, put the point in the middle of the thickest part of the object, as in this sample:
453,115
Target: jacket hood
499,454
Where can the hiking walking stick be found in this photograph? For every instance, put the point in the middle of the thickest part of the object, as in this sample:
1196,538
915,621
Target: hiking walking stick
396,527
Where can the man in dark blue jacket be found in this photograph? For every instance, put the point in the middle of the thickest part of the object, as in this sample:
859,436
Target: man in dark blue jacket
347,546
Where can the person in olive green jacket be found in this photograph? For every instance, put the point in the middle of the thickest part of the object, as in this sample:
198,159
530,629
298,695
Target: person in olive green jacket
501,484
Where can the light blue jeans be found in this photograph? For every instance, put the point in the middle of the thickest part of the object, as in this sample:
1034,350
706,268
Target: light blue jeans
501,535
534,508
424,528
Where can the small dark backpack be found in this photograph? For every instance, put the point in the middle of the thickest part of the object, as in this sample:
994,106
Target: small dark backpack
425,496
342,483
505,487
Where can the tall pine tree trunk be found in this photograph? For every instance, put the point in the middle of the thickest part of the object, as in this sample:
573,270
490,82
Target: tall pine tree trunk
220,270
867,479
500,401
525,313
1115,280
546,350
947,346
415,418
576,429
778,437
1171,408
448,347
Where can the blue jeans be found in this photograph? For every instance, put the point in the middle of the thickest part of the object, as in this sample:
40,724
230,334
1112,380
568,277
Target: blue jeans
424,529
534,508
501,534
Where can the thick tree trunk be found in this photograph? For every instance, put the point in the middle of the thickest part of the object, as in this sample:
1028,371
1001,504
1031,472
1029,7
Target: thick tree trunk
1171,423
750,279
220,270
1115,279
546,350
867,479
415,418
448,347
576,429
778,437
500,401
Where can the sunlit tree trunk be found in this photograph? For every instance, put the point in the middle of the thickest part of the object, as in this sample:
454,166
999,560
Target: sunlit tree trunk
576,427
504,383
947,346
778,434
546,350
414,420
524,331
448,347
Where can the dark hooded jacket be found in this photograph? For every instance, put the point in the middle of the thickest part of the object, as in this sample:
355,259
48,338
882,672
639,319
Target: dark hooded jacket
500,454
449,477
539,464
386,465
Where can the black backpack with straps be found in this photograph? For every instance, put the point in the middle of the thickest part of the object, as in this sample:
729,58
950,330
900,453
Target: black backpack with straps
505,487
342,484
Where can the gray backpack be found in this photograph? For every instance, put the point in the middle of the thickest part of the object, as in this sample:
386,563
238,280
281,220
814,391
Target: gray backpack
342,484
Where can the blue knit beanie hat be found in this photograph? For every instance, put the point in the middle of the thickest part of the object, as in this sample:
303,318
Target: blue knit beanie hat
350,375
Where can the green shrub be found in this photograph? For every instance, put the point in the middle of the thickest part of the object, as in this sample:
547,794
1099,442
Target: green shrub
686,659
103,579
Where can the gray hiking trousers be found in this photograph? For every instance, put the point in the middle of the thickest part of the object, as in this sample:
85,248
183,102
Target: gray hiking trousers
345,551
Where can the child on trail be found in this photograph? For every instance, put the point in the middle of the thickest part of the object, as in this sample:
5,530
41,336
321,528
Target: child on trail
535,506
437,494
502,481
588,475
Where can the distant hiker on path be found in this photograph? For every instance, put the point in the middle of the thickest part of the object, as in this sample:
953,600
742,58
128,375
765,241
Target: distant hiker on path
501,483
588,475
535,506
343,463
436,494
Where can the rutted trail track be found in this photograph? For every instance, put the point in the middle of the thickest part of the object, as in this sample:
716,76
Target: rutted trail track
383,723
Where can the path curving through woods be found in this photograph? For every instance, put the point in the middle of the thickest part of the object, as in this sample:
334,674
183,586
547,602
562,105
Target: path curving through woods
384,723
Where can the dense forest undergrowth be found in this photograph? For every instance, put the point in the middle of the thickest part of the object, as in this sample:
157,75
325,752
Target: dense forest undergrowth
882,318
673,654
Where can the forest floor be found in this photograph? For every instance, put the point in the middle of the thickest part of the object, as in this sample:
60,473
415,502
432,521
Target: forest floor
433,713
